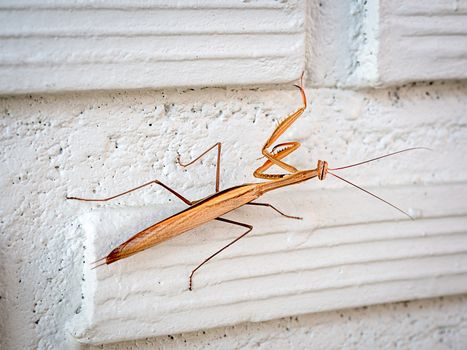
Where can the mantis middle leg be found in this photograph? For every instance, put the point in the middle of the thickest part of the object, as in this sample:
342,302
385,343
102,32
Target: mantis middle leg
218,163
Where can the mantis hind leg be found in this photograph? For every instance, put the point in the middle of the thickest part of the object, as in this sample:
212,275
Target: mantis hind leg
218,162
249,227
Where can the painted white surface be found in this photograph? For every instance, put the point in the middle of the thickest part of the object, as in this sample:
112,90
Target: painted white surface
428,324
80,144
104,142
422,41
333,260
386,42
90,45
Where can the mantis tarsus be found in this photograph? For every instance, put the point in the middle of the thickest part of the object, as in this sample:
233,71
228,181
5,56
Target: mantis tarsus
216,205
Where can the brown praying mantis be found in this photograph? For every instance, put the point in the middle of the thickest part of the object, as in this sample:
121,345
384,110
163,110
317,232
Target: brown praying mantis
213,207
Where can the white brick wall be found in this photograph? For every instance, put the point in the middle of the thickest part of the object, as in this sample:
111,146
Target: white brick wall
349,251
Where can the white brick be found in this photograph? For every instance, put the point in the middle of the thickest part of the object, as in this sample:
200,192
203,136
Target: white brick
56,45
332,260
387,42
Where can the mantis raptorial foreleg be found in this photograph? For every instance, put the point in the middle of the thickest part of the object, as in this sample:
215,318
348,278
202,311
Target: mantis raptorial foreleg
288,147
218,163
250,227
157,182
281,128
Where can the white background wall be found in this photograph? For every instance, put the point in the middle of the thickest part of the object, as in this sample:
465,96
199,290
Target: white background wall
104,142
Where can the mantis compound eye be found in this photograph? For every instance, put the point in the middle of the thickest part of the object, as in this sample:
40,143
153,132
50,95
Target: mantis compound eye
322,169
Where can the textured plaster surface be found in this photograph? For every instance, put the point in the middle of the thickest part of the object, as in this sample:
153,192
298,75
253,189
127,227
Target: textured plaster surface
102,143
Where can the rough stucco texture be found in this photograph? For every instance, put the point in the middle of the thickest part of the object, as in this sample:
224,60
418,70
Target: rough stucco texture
106,142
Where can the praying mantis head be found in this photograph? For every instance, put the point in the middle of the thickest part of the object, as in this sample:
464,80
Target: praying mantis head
322,168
